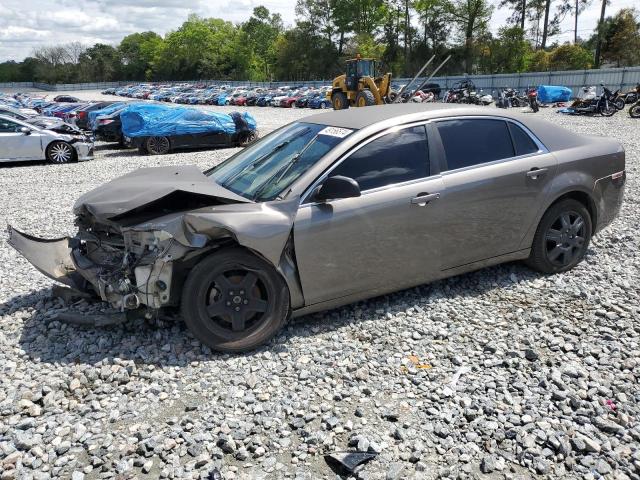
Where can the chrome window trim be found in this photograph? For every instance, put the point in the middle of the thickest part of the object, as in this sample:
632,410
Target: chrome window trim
542,149
357,147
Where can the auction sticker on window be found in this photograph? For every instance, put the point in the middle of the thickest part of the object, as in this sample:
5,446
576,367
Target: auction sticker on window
335,132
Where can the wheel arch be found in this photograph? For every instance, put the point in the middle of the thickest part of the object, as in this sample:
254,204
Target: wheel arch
584,198
287,268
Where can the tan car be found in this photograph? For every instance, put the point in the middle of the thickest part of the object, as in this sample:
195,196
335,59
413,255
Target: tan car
335,208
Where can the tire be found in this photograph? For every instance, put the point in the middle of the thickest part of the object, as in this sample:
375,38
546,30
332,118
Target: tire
323,105
634,111
365,98
157,145
607,111
562,237
339,101
60,152
249,283
619,103
248,139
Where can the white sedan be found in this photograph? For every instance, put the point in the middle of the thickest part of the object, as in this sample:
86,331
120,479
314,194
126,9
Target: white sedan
22,141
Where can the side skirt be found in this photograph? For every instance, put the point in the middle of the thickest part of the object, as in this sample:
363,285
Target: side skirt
451,272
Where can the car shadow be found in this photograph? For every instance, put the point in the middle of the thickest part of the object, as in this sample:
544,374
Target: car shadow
23,163
169,342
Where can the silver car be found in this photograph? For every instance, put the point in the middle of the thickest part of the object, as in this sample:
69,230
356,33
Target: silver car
21,140
335,208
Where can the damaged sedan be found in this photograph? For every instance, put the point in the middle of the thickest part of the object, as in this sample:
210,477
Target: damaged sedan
37,139
333,209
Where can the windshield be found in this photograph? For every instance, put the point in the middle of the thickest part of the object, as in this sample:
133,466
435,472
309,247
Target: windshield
264,170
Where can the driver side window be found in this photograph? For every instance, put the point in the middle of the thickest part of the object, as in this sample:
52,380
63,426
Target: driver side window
396,157
7,126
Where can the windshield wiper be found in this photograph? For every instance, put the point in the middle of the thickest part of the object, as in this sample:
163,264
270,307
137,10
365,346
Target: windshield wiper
267,155
281,172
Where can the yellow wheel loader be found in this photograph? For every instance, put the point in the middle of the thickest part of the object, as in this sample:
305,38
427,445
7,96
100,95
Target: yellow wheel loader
359,86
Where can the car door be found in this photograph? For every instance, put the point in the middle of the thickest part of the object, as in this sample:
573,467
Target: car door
16,145
496,176
385,239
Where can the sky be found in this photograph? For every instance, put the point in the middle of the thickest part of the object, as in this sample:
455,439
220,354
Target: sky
27,24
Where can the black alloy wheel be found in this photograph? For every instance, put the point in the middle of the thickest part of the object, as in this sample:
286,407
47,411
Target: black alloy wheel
562,237
234,301
565,239
158,145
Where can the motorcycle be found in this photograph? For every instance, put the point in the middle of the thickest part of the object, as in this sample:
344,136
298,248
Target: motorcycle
422,97
632,96
532,98
603,104
509,97
634,110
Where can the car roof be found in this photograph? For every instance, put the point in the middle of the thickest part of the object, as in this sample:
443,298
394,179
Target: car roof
551,135
358,118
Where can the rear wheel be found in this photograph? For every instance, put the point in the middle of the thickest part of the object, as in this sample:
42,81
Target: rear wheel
339,101
234,301
60,152
607,109
619,103
365,98
634,111
157,145
562,237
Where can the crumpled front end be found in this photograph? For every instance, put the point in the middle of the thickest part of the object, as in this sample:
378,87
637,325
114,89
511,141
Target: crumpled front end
127,269
131,262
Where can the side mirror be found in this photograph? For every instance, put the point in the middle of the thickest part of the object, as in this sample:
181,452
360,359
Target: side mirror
25,130
337,187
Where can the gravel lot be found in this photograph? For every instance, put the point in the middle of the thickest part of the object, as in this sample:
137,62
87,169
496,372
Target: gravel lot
522,375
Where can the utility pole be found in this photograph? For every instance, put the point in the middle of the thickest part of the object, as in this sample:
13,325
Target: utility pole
600,27
575,30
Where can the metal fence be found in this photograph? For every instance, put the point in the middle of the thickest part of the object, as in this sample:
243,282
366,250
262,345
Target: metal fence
623,78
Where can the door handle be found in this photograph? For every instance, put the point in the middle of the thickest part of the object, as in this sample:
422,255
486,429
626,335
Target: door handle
424,198
536,172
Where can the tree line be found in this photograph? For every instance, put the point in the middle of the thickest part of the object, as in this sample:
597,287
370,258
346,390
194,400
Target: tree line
400,33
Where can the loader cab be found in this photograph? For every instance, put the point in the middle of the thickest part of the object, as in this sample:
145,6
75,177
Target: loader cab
358,68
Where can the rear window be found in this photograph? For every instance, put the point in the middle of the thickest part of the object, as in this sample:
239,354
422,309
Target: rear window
469,142
522,142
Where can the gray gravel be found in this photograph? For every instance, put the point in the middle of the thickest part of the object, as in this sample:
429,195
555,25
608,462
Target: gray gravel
501,373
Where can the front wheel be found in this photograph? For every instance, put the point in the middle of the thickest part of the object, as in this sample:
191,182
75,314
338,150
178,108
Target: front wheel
158,145
634,111
234,301
60,152
562,237
339,101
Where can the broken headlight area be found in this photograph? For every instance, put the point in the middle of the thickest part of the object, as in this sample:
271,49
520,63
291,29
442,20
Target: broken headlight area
127,268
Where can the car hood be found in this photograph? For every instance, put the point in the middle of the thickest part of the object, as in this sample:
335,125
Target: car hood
152,192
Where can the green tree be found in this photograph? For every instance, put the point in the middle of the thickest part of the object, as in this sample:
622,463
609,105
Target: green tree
505,53
100,63
262,30
472,18
621,42
206,48
140,53
570,57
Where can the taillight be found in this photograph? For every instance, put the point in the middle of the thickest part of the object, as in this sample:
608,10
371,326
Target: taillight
82,114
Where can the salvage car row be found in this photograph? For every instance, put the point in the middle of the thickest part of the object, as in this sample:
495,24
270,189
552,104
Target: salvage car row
284,97
63,130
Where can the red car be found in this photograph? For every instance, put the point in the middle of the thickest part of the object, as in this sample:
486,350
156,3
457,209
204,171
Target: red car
289,102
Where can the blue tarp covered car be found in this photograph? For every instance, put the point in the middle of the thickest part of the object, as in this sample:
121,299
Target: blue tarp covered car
160,128
552,94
